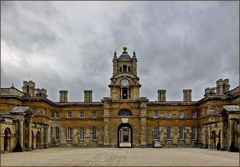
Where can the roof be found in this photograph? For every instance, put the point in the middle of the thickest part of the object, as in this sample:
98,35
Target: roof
21,109
124,55
229,109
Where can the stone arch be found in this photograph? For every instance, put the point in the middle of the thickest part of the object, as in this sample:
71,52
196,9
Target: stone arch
213,138
38,139
125,135
7,139
124,112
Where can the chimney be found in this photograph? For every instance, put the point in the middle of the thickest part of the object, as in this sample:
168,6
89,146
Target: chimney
209,92
187,95
29,88
63,98
222,86
87,96
41,92
162,95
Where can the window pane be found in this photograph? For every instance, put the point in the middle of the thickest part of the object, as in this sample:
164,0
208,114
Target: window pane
94,133
168,133
181,133
81,133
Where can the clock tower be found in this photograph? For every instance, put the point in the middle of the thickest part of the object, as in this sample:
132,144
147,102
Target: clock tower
124,82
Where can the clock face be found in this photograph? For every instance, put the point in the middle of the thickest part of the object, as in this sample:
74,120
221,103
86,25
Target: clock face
124,82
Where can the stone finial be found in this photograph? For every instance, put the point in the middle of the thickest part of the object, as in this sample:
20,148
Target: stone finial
115,55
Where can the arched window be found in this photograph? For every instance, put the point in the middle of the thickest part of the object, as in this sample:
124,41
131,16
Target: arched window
120,69
129,69
69,133
124,68
124,112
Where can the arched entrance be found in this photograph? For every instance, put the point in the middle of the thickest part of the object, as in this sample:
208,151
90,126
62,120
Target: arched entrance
219,140
38,138
125,135
32,139
7,139
213,139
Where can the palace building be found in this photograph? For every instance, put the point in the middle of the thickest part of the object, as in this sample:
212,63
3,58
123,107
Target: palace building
29,120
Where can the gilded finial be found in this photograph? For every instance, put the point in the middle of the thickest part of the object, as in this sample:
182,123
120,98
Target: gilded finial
125,48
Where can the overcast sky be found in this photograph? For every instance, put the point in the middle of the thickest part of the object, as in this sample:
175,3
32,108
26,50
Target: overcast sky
70,45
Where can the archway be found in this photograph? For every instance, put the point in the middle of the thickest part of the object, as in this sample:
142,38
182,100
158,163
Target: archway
38,138
125,135
32,139
219,140
213,139
7,139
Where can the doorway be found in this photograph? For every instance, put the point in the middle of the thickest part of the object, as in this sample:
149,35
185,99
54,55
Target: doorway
7,139
125,135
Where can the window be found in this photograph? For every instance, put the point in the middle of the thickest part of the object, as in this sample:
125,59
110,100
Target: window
81,115
124,112
194,114
124,93
69,133
124,68
181,114
56,115
129,69
53,114
155,133
120,69
81,133
168,133
69,114
155,114
194,133
94,114
181,133
168,114
57,133
94,133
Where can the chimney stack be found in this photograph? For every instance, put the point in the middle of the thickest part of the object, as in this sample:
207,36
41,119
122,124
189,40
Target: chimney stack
161,95
87,96
63,98
29,88
187,95
222,86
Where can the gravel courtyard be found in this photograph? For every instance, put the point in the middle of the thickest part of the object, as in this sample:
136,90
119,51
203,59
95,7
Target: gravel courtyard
121,157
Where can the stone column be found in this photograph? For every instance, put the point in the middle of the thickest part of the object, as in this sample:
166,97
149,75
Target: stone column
143,106
45,136
21,132
209,137
34,141
230,133
30,133
106,124
2,142
42,137
222,136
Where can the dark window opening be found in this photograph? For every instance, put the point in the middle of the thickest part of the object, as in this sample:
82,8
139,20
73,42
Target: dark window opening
124,68
120,69
128,69
124,93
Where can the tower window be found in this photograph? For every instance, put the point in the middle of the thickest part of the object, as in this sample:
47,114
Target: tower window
129,69
124,93
124,68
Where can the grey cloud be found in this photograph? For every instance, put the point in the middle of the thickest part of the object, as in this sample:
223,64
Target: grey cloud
178,44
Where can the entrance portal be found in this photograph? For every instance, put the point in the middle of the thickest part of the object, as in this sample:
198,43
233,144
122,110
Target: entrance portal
125,133
7,139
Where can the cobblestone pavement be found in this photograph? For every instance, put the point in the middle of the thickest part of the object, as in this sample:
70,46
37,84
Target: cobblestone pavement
121,157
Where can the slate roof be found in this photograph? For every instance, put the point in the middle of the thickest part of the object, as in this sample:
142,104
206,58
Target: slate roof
229,109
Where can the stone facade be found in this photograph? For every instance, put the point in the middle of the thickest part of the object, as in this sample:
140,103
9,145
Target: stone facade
29,120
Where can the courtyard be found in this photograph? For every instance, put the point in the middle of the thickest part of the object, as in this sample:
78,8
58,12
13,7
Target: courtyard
121,157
